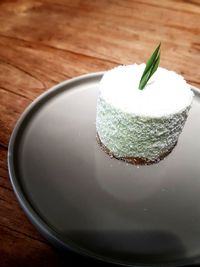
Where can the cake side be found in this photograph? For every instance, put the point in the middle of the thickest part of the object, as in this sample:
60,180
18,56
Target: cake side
130,136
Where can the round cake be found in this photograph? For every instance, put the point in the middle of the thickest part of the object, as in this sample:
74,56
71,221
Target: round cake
141,126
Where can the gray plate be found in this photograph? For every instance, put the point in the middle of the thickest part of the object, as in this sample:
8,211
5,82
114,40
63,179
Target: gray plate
79,198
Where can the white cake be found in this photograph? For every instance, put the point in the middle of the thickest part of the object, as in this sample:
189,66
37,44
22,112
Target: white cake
141,126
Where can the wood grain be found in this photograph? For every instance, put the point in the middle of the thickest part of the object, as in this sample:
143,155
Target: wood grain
43,42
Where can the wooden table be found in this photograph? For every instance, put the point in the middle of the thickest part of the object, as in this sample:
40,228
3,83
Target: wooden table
43,42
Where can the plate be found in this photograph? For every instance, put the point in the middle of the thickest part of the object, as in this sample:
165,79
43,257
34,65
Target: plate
81,199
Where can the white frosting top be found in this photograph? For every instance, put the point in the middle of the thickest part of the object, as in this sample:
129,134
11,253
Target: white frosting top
165,93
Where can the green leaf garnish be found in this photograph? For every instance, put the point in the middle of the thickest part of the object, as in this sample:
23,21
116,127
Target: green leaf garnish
151,67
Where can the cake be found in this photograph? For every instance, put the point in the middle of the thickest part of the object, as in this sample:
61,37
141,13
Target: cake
141,126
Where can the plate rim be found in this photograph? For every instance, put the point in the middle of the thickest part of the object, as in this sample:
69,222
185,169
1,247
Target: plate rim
45,230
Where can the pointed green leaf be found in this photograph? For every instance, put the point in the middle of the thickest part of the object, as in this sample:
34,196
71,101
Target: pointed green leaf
150,68
151,60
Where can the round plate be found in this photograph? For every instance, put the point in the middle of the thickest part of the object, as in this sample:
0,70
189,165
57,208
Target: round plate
80,198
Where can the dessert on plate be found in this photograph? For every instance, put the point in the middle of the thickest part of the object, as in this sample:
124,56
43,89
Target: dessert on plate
141,111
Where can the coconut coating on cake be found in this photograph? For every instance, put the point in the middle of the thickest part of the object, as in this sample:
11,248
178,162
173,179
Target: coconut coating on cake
145,126
127,135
